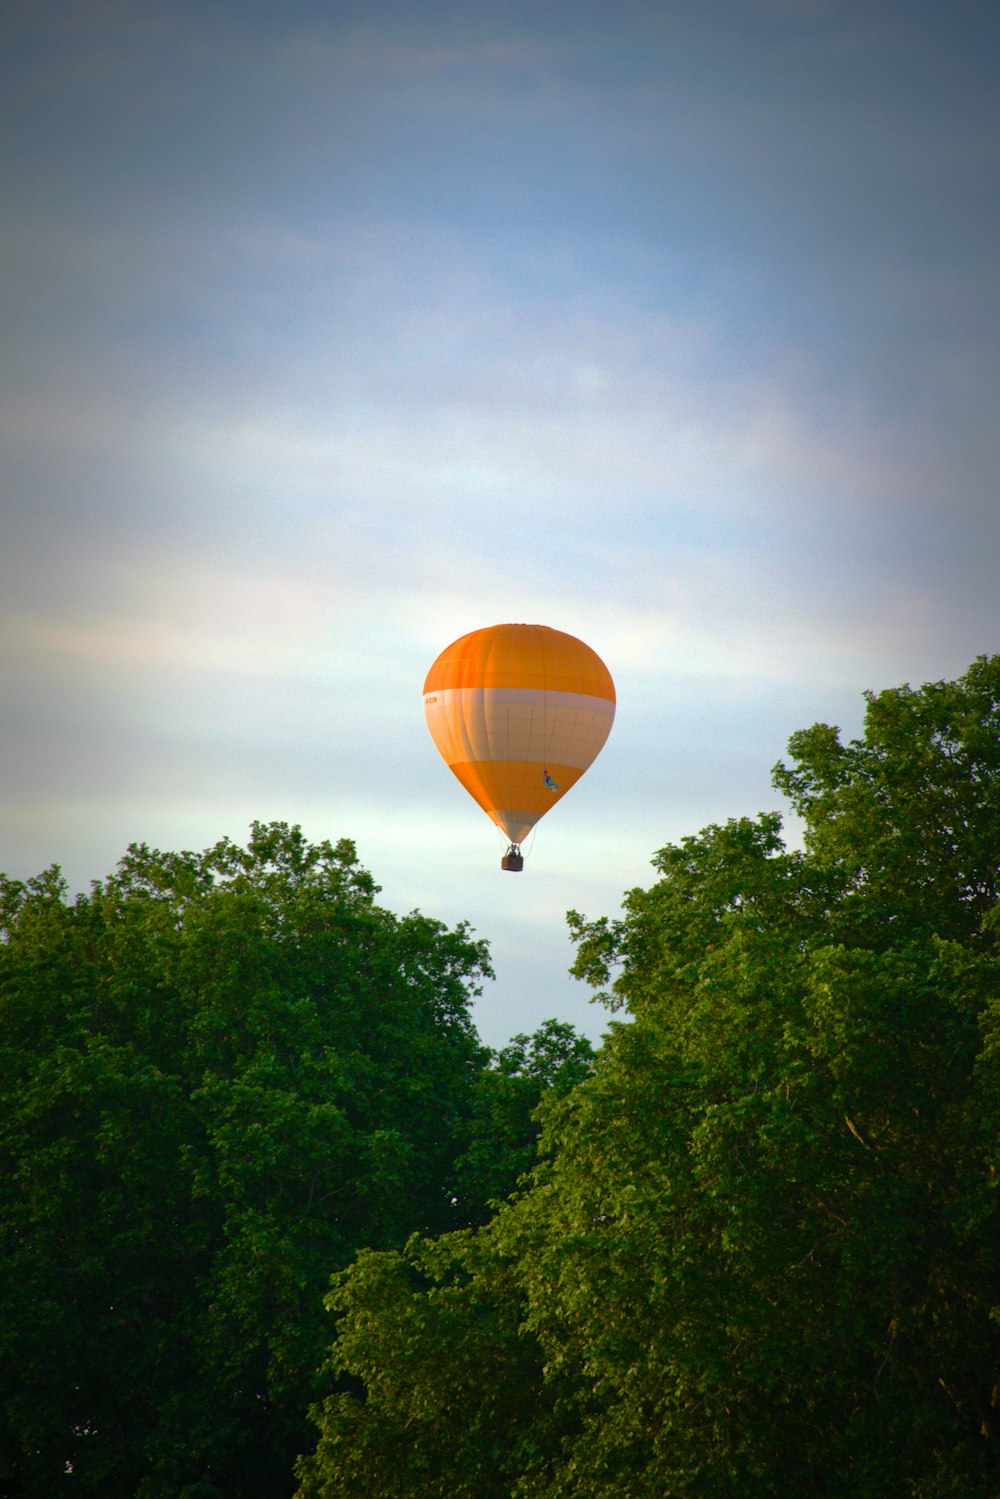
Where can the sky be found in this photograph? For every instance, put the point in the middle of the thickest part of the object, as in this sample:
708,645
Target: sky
334,331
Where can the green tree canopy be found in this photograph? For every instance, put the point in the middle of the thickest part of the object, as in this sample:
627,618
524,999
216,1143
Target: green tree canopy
221,1074
762,1254
510,1091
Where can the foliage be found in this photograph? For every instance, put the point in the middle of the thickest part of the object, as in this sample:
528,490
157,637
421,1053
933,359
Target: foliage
762,1255
522,1079
221,1074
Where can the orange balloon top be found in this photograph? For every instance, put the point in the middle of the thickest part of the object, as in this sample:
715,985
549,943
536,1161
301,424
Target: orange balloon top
519,656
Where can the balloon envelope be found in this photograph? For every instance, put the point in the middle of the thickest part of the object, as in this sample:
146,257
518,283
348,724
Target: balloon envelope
519,712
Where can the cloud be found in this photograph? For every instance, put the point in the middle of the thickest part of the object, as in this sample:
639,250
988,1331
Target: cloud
449,446
330,341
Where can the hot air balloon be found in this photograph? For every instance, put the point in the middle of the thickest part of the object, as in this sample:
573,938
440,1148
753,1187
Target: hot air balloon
518,712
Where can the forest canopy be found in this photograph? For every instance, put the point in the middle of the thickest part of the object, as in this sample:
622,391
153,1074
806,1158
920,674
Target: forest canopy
760,1255
221,1075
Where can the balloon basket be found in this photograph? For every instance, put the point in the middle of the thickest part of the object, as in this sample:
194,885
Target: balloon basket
513,860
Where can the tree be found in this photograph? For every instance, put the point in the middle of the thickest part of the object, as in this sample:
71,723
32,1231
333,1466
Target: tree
221,1074
761,1255
526,1075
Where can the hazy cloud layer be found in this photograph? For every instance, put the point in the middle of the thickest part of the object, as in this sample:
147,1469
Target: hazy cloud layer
332,335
